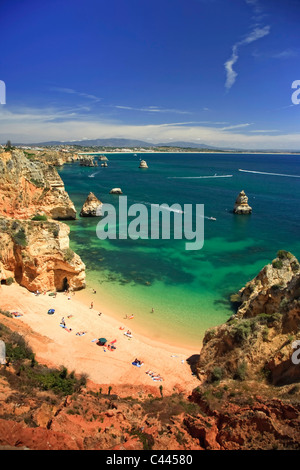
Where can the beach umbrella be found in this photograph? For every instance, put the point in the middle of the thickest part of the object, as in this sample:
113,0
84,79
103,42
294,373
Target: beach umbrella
51,311
102,340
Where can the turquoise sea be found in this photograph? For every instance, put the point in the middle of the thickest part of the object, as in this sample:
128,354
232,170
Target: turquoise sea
188,290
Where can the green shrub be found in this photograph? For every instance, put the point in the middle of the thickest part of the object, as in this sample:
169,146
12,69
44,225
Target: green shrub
59,381
68,254
20,237
216,374
277,263
9,281
241,331
240,373
283,254
295,266
40,217
18,349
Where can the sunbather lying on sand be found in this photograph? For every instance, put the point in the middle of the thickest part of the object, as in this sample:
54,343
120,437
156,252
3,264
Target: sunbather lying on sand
137,361
81,333
17,314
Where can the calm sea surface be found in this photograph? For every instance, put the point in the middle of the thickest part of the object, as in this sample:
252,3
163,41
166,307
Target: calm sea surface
189,290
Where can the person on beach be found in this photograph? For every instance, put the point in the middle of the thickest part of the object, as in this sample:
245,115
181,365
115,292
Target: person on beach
99,314
63,321
152,311
92,305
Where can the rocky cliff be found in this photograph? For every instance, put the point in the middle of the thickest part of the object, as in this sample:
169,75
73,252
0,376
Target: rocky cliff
258,340
35,253
50,409
28,187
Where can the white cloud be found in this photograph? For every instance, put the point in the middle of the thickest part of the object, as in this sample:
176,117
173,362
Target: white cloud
70,91
34,125
235,126
265,131
254,35
285,54
151,109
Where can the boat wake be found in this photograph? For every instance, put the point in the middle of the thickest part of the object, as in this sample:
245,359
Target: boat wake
271,174
199,177
171,209
93,174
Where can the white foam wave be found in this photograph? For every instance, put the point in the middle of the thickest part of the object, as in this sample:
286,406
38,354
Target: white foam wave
93,174
199,177
272,174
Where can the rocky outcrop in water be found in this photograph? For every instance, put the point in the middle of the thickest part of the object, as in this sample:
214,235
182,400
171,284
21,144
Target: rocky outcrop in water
241,204
88,161
91,207
143,164
116,191
28,187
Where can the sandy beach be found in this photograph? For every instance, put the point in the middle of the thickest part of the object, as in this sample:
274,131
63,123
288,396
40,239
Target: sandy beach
57,346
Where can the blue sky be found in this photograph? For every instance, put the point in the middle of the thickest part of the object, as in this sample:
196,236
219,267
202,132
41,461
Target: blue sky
209,71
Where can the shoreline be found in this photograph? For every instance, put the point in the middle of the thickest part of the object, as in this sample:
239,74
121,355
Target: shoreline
105,304
190,152
55,345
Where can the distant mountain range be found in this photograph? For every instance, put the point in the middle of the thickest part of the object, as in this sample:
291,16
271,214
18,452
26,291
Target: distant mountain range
131,143
127,143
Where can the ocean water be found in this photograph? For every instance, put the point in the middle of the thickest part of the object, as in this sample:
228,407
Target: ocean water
188,290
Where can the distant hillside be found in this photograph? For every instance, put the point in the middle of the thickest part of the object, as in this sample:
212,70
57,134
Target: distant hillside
128,143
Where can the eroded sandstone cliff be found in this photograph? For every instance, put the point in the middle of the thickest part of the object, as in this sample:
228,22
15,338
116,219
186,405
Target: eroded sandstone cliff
28,187
258,340
36,253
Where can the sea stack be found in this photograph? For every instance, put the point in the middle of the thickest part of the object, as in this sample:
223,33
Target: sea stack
116,191
241,204
143,164
91,207
88,161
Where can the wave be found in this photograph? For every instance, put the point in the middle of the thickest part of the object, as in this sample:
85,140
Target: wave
170,209
93,174
272,174
198,177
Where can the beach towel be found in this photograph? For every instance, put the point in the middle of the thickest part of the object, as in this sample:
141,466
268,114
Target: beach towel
65,328
129,336
16,314
136,364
